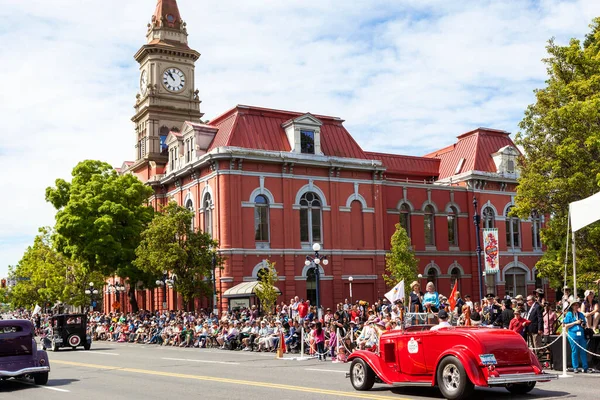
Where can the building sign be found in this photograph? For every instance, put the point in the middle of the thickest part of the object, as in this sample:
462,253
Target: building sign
490,250
239,303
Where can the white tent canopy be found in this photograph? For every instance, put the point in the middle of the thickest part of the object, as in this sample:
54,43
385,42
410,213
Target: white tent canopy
584,212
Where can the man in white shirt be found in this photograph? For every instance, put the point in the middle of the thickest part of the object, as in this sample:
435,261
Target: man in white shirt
443,318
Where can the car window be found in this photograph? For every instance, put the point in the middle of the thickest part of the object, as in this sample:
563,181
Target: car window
74,321
10,329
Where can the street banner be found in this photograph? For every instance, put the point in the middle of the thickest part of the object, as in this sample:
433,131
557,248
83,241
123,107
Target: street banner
397,293
490,250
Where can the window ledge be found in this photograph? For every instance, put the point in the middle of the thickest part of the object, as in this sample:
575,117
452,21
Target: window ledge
430,248
263,245
454,248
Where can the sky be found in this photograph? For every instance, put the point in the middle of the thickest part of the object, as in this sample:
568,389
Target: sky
407,76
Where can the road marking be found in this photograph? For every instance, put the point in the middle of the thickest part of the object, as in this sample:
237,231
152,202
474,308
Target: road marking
102,353
356,395
325,370
202,361
46,387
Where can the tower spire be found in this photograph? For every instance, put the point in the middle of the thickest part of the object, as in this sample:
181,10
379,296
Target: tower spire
167,15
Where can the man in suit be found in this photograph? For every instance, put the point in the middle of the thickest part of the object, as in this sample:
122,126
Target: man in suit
535,329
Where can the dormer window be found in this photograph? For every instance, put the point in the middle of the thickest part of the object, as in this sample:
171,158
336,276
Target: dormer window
505,160
304,134
307,142
510,166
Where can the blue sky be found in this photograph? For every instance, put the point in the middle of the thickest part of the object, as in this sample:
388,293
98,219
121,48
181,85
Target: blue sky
408,76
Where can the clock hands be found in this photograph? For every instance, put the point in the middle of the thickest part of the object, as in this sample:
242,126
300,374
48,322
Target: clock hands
171,75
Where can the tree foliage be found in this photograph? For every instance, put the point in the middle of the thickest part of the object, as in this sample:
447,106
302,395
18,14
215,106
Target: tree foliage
266,291
560,136
170,244
100,218
400,262
44,275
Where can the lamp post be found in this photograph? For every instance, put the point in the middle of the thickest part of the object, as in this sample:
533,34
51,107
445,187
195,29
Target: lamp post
476,221
350,279
91,292
165,282
214,283
316,260
116,289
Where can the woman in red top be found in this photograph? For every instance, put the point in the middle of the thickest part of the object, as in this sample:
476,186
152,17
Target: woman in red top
518,323
319,338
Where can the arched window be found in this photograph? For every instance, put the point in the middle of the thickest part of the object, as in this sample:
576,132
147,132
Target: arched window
515,282
190,206
429,225
455,277
310,218
357,231
311,286
536,227
208,215
452,227
432,276
405,217
488,217
261,218
513,230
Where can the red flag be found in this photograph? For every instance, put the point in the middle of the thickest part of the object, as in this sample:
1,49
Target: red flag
452,299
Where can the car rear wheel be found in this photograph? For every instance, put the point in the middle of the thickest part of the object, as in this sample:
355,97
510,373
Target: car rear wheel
520,388
453,380
41,378
362,376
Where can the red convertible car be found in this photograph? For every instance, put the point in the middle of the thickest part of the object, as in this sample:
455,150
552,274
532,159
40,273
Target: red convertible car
454,359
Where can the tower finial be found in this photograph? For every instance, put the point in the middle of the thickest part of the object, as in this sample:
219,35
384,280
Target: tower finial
167,14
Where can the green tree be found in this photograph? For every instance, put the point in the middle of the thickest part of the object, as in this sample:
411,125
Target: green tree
100,218
170,244
400,262
44,275
560,136
266,291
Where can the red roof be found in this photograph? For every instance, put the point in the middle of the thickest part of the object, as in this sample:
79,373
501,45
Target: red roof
476,147
261,128
167,12
407,165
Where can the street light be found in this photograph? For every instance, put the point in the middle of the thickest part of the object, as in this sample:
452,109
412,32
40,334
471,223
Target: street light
91,292
350,279
476,221
316,260
165,282
116,289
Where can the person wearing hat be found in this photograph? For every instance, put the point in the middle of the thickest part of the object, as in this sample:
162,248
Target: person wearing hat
414,300
575,324
492,312
591,310
443,321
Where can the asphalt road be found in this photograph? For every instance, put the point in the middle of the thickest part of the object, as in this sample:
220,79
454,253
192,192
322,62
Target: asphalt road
127,371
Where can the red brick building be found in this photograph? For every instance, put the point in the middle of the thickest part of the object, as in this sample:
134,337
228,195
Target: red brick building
267,184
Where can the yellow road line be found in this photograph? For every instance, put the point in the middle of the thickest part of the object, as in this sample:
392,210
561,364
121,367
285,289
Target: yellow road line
357,395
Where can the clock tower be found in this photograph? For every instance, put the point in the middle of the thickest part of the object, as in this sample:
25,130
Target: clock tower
167,96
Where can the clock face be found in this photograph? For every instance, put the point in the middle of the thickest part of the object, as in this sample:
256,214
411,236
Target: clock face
144,82
173,79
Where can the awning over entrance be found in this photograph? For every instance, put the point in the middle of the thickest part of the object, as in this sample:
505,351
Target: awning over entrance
244,289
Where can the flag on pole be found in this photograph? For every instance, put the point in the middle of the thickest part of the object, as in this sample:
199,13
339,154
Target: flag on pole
451,299
584,212
397,293
36,310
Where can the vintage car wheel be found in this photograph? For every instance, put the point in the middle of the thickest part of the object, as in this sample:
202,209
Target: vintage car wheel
54,346
453,380
520,388
74,341
41,378
362,376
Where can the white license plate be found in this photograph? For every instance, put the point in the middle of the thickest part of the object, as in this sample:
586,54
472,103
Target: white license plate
488,359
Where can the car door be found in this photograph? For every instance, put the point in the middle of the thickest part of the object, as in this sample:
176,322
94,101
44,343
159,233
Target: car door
411,353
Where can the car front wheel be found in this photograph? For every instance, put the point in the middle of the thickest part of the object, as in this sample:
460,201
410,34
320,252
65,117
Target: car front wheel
41,378
54,346
520,388
362,376
453,380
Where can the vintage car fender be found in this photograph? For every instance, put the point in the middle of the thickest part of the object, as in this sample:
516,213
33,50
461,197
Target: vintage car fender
469,362
40,355
383,372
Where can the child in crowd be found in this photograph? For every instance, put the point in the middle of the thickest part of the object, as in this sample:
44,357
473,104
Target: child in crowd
518,323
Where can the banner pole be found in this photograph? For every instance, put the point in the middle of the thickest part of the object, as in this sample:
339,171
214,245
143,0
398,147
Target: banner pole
574,265
564,352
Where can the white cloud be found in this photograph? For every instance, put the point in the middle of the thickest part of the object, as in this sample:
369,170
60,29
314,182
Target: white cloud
419,71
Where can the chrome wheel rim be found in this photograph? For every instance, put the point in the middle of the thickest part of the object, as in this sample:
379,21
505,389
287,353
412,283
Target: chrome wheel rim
451,377
358,374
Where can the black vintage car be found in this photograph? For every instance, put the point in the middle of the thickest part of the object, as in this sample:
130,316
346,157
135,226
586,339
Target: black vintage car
68,330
